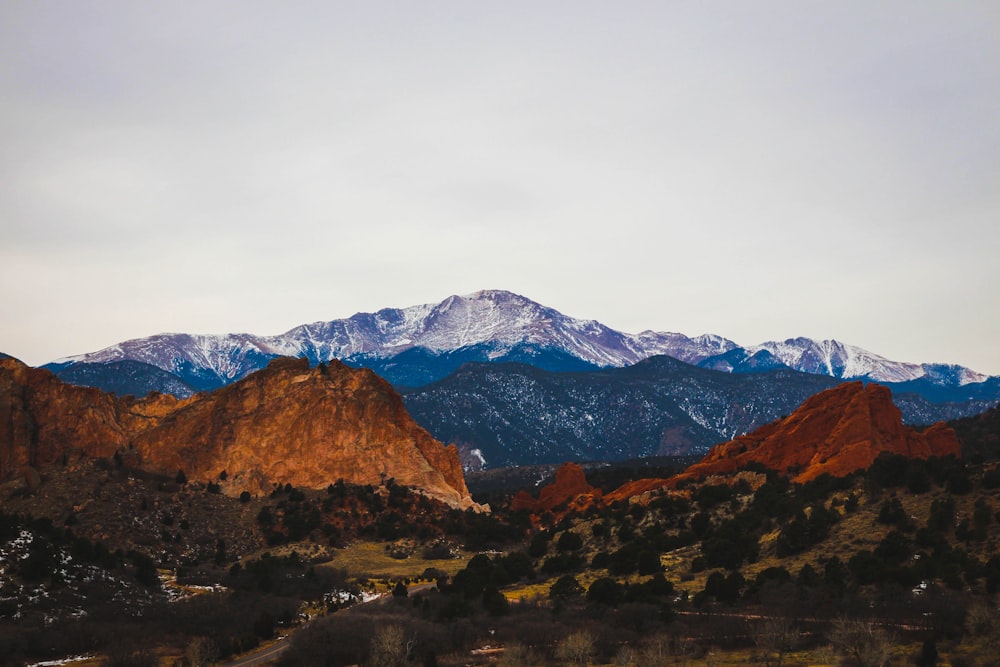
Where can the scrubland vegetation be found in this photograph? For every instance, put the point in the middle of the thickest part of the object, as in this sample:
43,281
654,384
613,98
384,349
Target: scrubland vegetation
895,564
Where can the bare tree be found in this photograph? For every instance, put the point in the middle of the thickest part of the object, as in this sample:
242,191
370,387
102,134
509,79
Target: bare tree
656,652
121,657
862,641
662,650
517,655
774,637
200,652
983,621
625,657
576,649
390,647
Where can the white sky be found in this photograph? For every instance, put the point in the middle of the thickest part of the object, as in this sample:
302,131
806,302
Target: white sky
759,170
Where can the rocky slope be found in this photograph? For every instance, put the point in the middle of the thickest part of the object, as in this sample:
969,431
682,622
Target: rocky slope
837,432
286,424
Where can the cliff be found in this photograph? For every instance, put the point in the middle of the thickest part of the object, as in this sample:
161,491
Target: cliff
285,424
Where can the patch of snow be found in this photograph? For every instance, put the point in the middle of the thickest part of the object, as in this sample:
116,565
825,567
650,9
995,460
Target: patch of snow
64,661
478,454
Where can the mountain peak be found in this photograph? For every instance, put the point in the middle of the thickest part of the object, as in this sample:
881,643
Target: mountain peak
496,295
496,324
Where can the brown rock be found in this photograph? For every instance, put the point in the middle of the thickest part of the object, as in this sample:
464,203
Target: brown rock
285,424
638,487
837,431
569,485
41,418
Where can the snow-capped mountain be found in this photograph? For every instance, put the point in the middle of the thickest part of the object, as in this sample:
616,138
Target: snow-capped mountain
494,325
833,358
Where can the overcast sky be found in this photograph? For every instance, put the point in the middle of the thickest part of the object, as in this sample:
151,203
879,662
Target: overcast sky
759,170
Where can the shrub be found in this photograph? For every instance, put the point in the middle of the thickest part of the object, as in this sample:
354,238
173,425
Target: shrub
562,563
649,563
605,591
518,565
495,602
711,495
959,482
917,479
722,552
569,541
866,567
889,470
894,548
724,588
892,513
539,545
991,478
565,587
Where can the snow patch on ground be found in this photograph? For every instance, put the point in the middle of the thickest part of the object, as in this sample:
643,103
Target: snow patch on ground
64,661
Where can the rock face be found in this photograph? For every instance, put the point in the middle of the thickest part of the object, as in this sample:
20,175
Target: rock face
285,424
569,487
836,431
42,419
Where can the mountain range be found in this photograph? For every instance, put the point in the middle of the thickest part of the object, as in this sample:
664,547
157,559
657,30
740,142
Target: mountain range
507,414
512,382
421,344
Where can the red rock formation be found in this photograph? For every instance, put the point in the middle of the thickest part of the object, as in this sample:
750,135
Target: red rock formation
638,487
285,424
41,419
570,487
837,431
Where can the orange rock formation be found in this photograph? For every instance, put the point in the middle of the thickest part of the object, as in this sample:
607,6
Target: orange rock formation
836,431
285,424
570,488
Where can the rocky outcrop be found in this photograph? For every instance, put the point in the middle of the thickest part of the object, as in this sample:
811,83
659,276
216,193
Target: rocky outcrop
569,489
43,420
636,488
837,431
288,423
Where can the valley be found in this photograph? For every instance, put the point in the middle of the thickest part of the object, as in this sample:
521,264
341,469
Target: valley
892,555
535,491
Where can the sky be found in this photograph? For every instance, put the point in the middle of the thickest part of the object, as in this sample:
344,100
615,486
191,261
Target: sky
757,170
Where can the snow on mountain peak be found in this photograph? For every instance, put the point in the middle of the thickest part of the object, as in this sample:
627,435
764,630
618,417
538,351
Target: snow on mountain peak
498,321
833,358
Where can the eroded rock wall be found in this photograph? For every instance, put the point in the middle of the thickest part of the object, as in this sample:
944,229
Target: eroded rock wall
288,423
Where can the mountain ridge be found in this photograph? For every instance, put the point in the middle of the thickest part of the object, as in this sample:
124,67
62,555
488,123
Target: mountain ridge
497,323
515,414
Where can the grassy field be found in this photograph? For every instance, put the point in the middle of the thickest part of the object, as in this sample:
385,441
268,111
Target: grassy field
371,560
